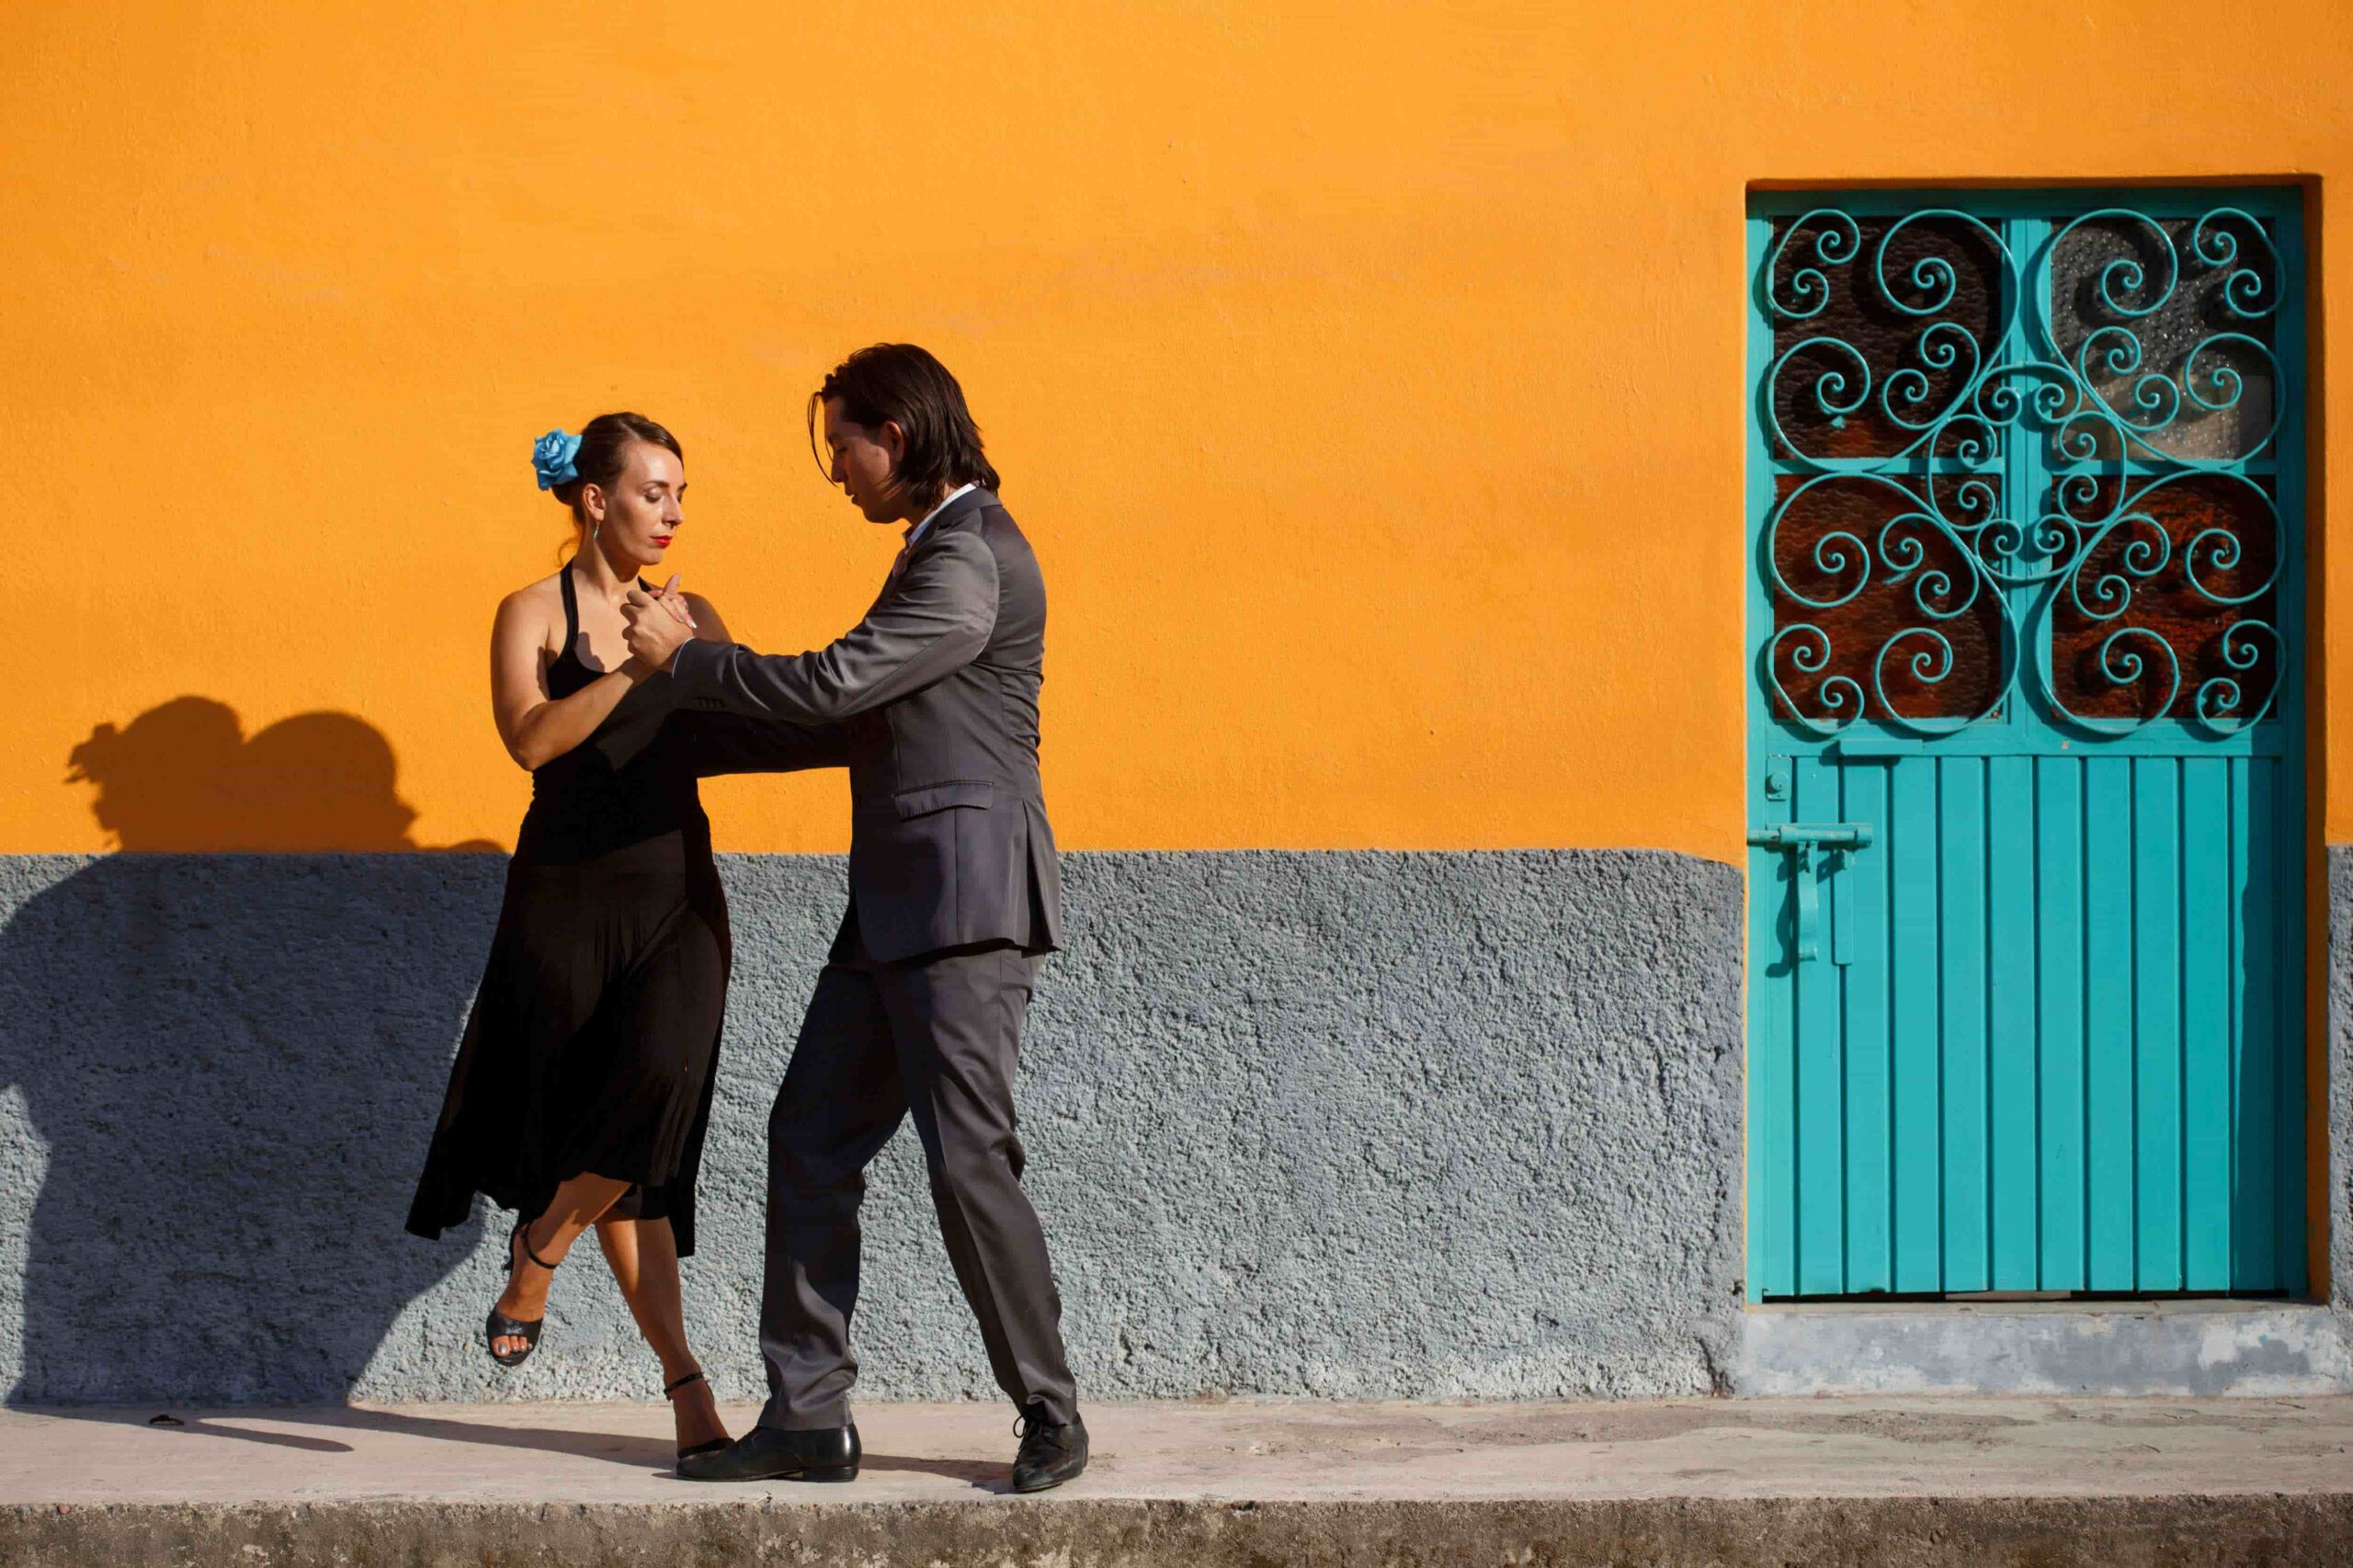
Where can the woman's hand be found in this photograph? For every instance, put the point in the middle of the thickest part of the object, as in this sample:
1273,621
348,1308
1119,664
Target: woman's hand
659,623
680,602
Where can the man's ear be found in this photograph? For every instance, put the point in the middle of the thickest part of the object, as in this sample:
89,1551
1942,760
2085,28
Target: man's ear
893,441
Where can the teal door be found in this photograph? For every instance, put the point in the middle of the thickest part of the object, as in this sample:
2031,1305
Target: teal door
2025,743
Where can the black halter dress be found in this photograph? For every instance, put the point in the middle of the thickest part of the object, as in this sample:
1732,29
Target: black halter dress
594,1041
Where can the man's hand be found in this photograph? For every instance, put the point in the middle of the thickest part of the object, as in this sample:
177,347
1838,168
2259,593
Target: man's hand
658,624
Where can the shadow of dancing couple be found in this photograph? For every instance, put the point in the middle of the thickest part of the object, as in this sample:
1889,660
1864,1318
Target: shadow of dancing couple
583,1086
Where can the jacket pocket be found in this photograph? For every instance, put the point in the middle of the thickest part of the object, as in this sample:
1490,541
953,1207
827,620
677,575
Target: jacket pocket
939,797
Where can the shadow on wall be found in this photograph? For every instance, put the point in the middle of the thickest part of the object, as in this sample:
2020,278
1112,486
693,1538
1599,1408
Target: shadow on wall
183,776
228,1064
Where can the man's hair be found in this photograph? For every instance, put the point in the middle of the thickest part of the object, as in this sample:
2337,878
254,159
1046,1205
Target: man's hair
898,382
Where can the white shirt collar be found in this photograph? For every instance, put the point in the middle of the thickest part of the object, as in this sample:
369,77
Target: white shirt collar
916,532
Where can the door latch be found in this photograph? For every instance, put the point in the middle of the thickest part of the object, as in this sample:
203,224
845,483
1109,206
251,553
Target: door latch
1803,838
1828,835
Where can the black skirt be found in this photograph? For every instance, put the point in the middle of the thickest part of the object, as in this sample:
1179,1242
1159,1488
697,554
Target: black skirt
594,1042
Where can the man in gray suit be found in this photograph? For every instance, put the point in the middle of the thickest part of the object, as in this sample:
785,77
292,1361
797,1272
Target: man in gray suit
955,897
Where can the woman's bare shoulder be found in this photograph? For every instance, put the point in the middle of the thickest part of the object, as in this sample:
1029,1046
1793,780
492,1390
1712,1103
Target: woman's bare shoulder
533,604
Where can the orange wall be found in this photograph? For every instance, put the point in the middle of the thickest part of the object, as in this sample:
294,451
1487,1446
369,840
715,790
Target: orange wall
1368,376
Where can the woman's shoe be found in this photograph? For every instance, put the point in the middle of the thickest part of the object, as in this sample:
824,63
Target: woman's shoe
670,1392
500,1326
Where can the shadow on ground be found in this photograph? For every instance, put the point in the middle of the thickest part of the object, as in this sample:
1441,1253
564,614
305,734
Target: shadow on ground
631,1449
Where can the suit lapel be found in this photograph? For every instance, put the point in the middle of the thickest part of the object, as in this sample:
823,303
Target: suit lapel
954,513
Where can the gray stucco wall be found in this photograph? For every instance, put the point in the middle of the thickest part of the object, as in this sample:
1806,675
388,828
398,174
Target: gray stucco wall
2340,1082
1348,1125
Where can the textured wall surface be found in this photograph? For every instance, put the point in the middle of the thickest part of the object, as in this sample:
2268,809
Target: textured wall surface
2340,1082
1353,1125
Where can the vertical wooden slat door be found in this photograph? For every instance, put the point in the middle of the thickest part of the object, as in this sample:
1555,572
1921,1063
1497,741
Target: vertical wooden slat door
2026,742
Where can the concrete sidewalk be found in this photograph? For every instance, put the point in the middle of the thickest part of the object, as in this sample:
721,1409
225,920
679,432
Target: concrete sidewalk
1893,1481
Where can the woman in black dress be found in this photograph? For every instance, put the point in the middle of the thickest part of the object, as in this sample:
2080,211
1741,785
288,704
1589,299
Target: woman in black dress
581,1091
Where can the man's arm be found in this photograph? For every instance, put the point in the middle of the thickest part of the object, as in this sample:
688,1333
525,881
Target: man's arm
737,742
936,617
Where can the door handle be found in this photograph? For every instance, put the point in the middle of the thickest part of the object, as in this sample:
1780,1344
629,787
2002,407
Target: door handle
1828,834
1803,838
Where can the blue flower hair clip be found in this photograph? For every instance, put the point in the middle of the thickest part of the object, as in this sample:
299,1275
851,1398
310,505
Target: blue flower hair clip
551,456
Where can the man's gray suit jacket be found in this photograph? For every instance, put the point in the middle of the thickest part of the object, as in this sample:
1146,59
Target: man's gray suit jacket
932,700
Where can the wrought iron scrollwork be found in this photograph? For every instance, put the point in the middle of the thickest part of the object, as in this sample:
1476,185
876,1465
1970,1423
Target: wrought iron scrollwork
2134,349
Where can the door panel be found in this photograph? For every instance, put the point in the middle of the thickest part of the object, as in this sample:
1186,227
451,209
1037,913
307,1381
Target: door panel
1869,1107
2061,1011
2108,1016
2025,789
2255,1188
1961,1042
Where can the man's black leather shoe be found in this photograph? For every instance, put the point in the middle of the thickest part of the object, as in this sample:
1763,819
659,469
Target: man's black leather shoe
764,1454
1049,1455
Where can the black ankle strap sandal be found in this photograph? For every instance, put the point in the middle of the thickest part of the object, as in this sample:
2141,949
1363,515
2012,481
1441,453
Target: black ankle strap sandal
499,1326
670,1391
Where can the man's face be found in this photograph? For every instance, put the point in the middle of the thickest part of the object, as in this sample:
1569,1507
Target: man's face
865,463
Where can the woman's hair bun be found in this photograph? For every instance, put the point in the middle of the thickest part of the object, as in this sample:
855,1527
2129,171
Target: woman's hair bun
564,462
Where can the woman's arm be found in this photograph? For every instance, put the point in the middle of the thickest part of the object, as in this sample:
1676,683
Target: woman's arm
536,727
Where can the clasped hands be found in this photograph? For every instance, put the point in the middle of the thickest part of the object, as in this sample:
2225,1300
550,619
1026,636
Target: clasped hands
658,623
